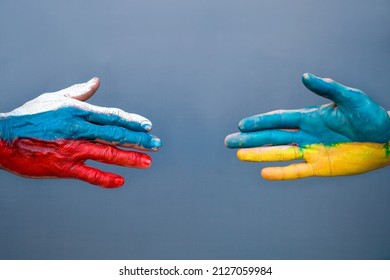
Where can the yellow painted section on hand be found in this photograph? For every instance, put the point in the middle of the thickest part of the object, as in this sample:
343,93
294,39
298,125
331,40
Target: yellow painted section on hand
349,158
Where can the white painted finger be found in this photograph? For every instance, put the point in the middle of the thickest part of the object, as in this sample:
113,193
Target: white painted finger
81,91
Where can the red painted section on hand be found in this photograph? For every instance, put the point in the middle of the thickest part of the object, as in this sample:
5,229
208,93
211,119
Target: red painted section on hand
66,159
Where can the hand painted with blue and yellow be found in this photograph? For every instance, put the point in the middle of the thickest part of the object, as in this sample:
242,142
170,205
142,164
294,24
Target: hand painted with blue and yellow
348,136
54,134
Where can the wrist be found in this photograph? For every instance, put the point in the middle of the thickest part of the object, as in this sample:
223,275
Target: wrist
5,148
3,125
4,154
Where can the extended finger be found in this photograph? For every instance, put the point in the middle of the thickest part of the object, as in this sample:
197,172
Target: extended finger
274,119
267,137
290,172
275,153
112,155
106,116
342,95
96,177
103,115
115,135
81,91
116,117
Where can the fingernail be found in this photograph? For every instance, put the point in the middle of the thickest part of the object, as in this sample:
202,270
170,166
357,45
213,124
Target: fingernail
92,81
146,125
146,161
231,140
306,76
119,182
155,143
245,123
225,141
240,154
241,125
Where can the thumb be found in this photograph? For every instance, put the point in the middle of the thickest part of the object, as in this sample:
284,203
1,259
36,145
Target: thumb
347,97
82,91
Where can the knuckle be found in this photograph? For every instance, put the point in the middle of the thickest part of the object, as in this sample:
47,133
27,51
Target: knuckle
141,140
74,128
116,135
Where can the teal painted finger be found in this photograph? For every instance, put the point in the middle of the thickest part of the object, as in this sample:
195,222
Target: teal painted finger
268,137
347,97
275,119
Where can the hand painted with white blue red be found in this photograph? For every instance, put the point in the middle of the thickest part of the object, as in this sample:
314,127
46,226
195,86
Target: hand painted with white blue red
63,117
351,117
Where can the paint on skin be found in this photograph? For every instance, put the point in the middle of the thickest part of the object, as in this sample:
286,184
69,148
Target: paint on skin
69,98
323,124
62,115
72,123
339,159
47,137
341,138
54,100
35,158
387,149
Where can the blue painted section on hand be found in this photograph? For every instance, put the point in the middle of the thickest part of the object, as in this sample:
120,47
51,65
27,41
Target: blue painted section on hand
111,119
353,117
75,123
268,121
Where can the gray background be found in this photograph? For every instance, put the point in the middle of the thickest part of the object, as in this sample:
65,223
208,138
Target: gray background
195,68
